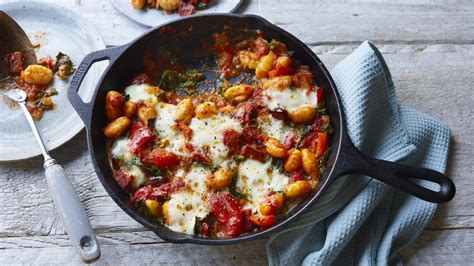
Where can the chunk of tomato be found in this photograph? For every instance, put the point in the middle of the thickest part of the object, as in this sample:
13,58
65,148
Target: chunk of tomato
290,141
251,134
123,178
161,159
232,139
228,212
320,96
152,192
263,221
261,47
281,71
253,151
47,62
295,176
247,113
186,9
15,62
140,136
322,144
311,141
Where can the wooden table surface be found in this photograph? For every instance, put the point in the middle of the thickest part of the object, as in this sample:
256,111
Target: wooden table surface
429,47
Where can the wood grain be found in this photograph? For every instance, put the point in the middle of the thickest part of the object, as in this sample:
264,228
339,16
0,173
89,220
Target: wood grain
323,22
429,48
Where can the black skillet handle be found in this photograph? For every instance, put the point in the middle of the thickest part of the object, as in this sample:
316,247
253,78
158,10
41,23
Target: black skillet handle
352,161
81,107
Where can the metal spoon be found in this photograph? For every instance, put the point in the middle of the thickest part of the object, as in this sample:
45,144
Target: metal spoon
67,203
78,226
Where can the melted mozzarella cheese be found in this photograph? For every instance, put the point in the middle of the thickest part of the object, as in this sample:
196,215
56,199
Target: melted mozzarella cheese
196,178
210,132
289,99
121,151
164,125
142,92
256,179
139,177
183,208
274,128
187,205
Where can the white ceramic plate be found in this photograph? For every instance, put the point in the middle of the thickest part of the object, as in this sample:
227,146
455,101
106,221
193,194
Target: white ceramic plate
55,29
152,17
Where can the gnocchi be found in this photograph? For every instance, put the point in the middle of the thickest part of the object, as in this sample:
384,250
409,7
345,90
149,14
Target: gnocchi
169,5
130,109
264,65
281,82
272,204
294,161
309,163
275,148
37,75
298,189
302,114
239,93
117,127
184,109
220,179
206,110
113,105
146,113
247,59
138,4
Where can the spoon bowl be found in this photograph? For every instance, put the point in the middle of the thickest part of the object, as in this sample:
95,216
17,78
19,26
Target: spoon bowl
12,39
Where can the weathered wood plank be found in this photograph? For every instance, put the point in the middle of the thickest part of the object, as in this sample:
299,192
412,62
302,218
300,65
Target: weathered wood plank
439,247
453,247
130,248
324,22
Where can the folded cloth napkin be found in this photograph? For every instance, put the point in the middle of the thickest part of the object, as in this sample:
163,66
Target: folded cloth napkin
360,220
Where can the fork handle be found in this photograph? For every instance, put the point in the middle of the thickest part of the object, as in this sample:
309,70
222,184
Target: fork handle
78,227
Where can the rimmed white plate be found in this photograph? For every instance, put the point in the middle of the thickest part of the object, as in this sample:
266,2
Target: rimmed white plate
56,29
153,17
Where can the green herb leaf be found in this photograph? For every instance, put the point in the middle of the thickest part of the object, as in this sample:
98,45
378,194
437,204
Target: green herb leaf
169,79
328,129
63,67
321,110
201,5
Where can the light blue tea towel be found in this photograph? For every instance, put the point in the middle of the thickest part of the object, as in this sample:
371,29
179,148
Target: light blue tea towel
360,220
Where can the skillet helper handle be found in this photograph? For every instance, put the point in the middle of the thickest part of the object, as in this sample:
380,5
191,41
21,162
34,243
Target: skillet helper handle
395,174
77,224
81,107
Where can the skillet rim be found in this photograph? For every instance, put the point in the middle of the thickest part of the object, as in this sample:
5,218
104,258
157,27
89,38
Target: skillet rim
157,229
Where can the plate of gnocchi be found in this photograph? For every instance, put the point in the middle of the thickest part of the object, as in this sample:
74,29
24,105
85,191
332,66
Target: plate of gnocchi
152,13
60,37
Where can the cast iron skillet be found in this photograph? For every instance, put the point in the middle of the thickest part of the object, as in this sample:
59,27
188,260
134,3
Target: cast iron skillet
126,61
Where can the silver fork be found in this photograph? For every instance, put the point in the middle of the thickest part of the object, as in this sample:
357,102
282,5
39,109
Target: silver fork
78,226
